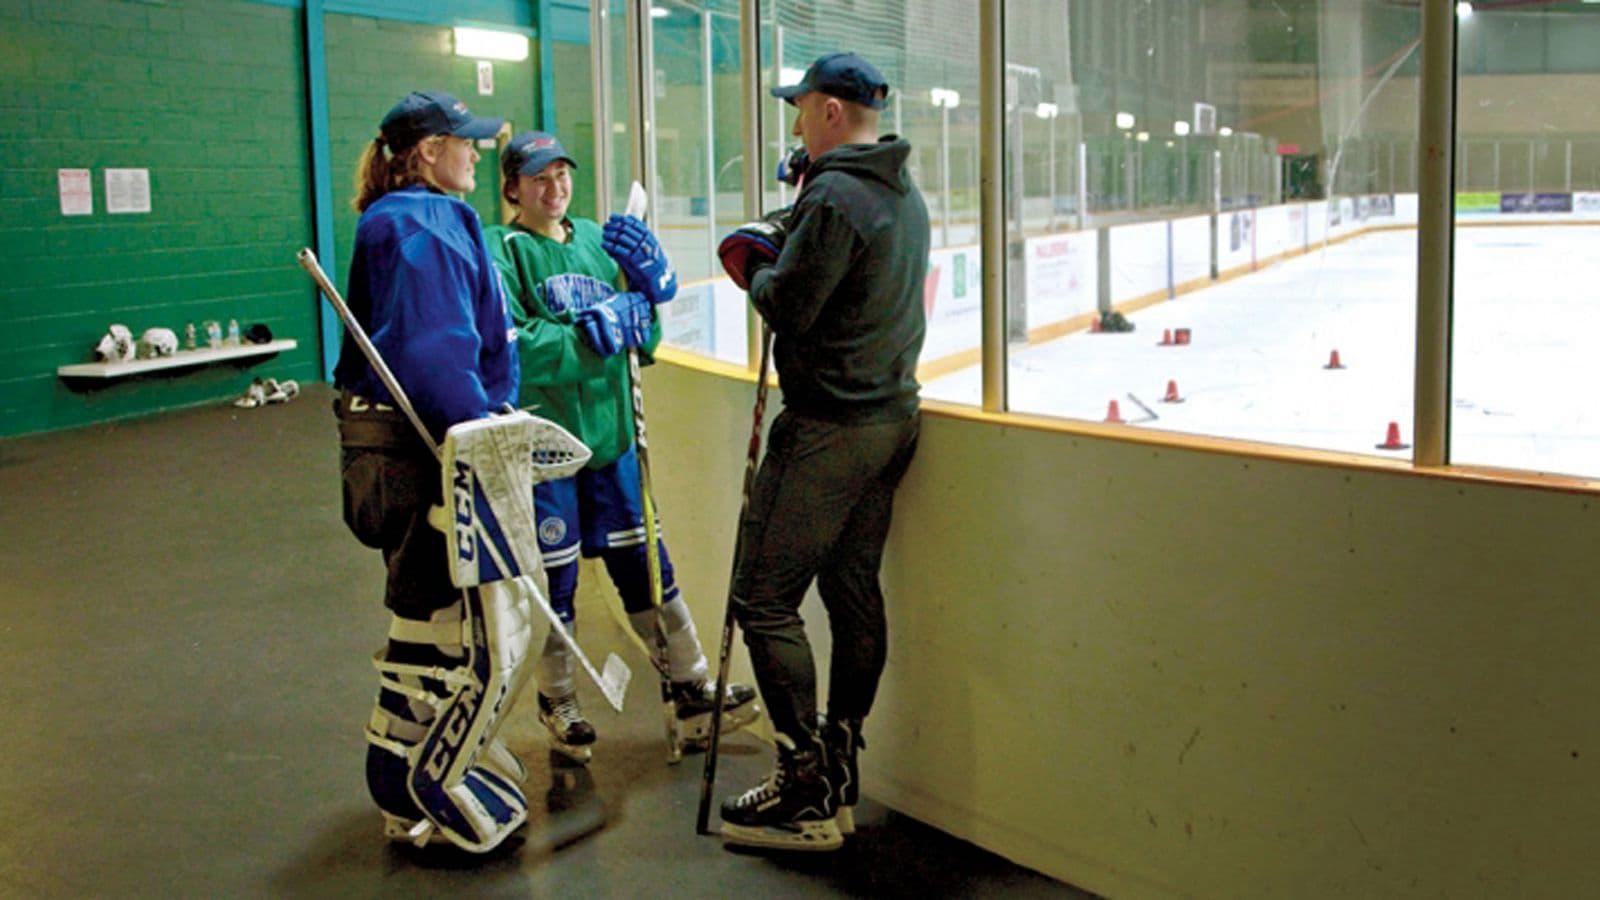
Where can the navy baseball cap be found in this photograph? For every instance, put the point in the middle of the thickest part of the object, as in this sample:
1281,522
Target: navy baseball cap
843,75
530,152
426,113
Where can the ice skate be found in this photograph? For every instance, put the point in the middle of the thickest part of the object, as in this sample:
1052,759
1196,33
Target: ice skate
570,733
693,702
791,810
842,739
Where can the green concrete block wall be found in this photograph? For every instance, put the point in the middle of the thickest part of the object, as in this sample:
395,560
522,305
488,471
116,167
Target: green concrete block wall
208,96
372,64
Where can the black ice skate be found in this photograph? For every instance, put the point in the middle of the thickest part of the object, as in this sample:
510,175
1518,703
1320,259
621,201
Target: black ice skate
693,703
791,810
842,739
570,732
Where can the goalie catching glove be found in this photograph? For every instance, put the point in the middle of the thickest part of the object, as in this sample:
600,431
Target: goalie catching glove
640,257
752,246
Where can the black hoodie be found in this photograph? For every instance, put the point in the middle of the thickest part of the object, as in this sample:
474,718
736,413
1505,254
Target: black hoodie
845,297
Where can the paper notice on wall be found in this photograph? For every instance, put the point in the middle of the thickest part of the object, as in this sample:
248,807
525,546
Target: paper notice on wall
485,78
127,190
77,194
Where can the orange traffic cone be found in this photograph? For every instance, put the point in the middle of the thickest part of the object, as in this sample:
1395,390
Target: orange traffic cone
1166,338
1333,361
1114,414
1392,440
1172,393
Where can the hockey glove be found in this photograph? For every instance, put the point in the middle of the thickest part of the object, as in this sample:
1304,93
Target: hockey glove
613,325
639,255
573,292
752,246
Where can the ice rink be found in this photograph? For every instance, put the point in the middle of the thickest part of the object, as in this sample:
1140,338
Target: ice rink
1524,366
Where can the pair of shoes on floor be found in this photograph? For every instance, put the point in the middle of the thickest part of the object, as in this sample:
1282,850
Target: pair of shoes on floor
280,391
267,390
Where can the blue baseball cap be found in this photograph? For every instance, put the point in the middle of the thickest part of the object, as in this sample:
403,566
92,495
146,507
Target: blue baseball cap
530,152
426,113
843,75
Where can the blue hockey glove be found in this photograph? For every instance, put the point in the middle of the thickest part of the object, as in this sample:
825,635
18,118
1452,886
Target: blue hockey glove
613,325
640,257
574,292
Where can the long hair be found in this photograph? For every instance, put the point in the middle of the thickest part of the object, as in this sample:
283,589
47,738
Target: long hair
378,173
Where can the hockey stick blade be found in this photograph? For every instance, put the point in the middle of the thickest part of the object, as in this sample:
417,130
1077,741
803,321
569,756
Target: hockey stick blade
1150,414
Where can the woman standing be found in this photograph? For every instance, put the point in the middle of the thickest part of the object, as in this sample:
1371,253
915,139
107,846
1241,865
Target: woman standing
573,331
423,287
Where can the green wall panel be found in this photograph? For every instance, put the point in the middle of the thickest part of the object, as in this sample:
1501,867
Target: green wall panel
207,97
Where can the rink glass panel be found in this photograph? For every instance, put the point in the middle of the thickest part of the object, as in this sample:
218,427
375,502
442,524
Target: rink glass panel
1216,174
928,52
1527,224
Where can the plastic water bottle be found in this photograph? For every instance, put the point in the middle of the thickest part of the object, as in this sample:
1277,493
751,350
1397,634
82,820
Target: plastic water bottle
233,332
213,334
189,340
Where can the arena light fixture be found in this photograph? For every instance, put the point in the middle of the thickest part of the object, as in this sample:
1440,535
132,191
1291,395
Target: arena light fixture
1143,136
944,98
659,12
481,43
1125,121
1225,131
1180,128
1464,10
1048,111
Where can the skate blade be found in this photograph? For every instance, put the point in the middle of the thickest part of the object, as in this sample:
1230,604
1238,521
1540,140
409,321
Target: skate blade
846,817
580,754
695,731
407,831
815,836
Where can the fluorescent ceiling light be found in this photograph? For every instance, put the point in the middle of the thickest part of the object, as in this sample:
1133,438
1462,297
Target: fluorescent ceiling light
480,43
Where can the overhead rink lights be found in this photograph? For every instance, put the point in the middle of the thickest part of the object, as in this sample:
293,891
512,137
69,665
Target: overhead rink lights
1180,128
944,98
481,43
1125,121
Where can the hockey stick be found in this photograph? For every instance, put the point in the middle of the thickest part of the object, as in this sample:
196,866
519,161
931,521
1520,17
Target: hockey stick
708,776
638,203
613,679
1150,414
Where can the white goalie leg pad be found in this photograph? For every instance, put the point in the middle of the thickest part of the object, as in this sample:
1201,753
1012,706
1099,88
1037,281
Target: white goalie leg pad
405,710
472,804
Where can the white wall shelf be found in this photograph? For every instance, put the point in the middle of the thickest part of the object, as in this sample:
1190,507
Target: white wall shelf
182,358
